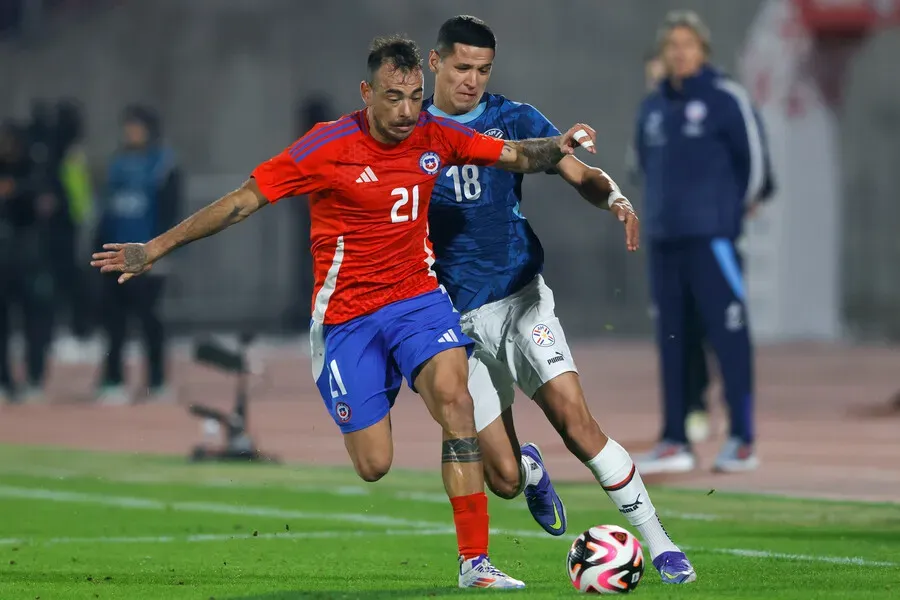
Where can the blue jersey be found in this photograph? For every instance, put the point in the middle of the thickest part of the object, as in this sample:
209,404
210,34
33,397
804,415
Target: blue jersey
134,182
484,247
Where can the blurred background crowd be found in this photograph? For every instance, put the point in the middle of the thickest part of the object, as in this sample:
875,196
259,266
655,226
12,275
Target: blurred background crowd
119,115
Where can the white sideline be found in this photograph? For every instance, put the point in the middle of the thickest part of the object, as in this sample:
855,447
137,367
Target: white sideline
416,528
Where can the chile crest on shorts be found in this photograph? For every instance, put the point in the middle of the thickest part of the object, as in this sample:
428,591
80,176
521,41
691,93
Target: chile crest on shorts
542,336
343,412
430,162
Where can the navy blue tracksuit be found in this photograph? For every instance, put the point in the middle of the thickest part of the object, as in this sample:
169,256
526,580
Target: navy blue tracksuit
141,201
702,153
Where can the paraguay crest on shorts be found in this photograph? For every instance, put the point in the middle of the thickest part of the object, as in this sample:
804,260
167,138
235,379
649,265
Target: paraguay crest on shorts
430,162
342,410
542,336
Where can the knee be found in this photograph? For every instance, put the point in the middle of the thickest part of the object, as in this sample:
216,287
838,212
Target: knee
372,468
503,478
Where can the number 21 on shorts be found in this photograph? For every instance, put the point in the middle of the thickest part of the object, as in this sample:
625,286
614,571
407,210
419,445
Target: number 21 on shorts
335,381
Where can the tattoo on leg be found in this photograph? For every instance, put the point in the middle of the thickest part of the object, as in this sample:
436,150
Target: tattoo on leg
460,450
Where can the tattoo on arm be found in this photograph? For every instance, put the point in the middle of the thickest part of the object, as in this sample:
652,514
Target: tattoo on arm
460,450
213,218
532,156
209,220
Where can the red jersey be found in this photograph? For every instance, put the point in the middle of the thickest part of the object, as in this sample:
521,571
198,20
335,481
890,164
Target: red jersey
369,206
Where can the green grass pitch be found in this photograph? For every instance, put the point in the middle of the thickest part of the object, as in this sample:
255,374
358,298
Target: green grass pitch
84,525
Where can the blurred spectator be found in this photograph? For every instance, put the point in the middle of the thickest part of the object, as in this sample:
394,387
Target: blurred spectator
11,15
654,72
696,368
76,208
703,157
25,280
141,200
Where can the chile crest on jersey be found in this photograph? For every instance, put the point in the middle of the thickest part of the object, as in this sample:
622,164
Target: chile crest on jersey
430,162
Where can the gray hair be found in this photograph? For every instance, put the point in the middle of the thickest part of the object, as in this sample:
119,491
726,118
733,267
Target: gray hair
688,19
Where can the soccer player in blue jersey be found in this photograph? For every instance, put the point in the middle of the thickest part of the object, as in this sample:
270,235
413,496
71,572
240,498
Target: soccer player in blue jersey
490,262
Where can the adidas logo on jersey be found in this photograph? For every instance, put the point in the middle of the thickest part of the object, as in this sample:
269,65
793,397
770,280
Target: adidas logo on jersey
367,176
448,337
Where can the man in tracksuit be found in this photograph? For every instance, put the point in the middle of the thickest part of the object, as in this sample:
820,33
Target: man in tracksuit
141,200
696,372
700,148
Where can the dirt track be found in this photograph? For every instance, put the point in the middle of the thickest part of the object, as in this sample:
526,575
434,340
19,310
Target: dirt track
816,436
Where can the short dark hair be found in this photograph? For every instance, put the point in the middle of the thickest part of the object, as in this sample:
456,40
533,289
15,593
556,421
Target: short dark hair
395,50
466,30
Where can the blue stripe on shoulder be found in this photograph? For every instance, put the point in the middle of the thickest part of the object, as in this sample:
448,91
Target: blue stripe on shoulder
343,124
307,150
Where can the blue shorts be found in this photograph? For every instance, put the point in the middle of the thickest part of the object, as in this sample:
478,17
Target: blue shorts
360,365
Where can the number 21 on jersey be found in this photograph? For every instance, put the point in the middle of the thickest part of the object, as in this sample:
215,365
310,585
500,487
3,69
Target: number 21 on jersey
399,214
465,182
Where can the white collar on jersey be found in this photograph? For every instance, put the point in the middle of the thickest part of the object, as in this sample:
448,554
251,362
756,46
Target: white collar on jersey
463,118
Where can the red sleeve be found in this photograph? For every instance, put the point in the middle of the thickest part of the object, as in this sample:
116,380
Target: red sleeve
464,146
299,170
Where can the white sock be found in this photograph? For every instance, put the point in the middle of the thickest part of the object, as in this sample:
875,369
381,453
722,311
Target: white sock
531,471
615,472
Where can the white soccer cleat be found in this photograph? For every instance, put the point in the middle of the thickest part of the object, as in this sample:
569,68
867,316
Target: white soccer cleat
667,457
478,572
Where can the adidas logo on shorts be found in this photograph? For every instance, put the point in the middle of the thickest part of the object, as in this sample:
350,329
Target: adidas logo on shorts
448,337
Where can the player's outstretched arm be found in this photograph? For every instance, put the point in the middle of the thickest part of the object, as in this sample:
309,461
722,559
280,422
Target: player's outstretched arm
599,189
540,154
134,259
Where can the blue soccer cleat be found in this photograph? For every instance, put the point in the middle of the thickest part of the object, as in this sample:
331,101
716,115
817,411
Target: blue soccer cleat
544,503
674,567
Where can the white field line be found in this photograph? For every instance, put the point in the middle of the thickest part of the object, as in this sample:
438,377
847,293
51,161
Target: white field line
416,528
519,505
224,537
334,490
209,507
836,560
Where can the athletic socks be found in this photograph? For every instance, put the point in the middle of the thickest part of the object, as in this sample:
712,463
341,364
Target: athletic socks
615,472
530,471
470,516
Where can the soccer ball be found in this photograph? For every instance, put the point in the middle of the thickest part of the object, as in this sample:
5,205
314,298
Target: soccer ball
606,559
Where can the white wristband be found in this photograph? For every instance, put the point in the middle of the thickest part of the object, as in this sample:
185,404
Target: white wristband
614,196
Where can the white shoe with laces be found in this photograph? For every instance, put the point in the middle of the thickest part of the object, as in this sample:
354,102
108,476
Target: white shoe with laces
478,572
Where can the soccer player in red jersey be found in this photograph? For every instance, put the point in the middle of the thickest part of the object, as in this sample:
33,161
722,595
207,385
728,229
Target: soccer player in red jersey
379,315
